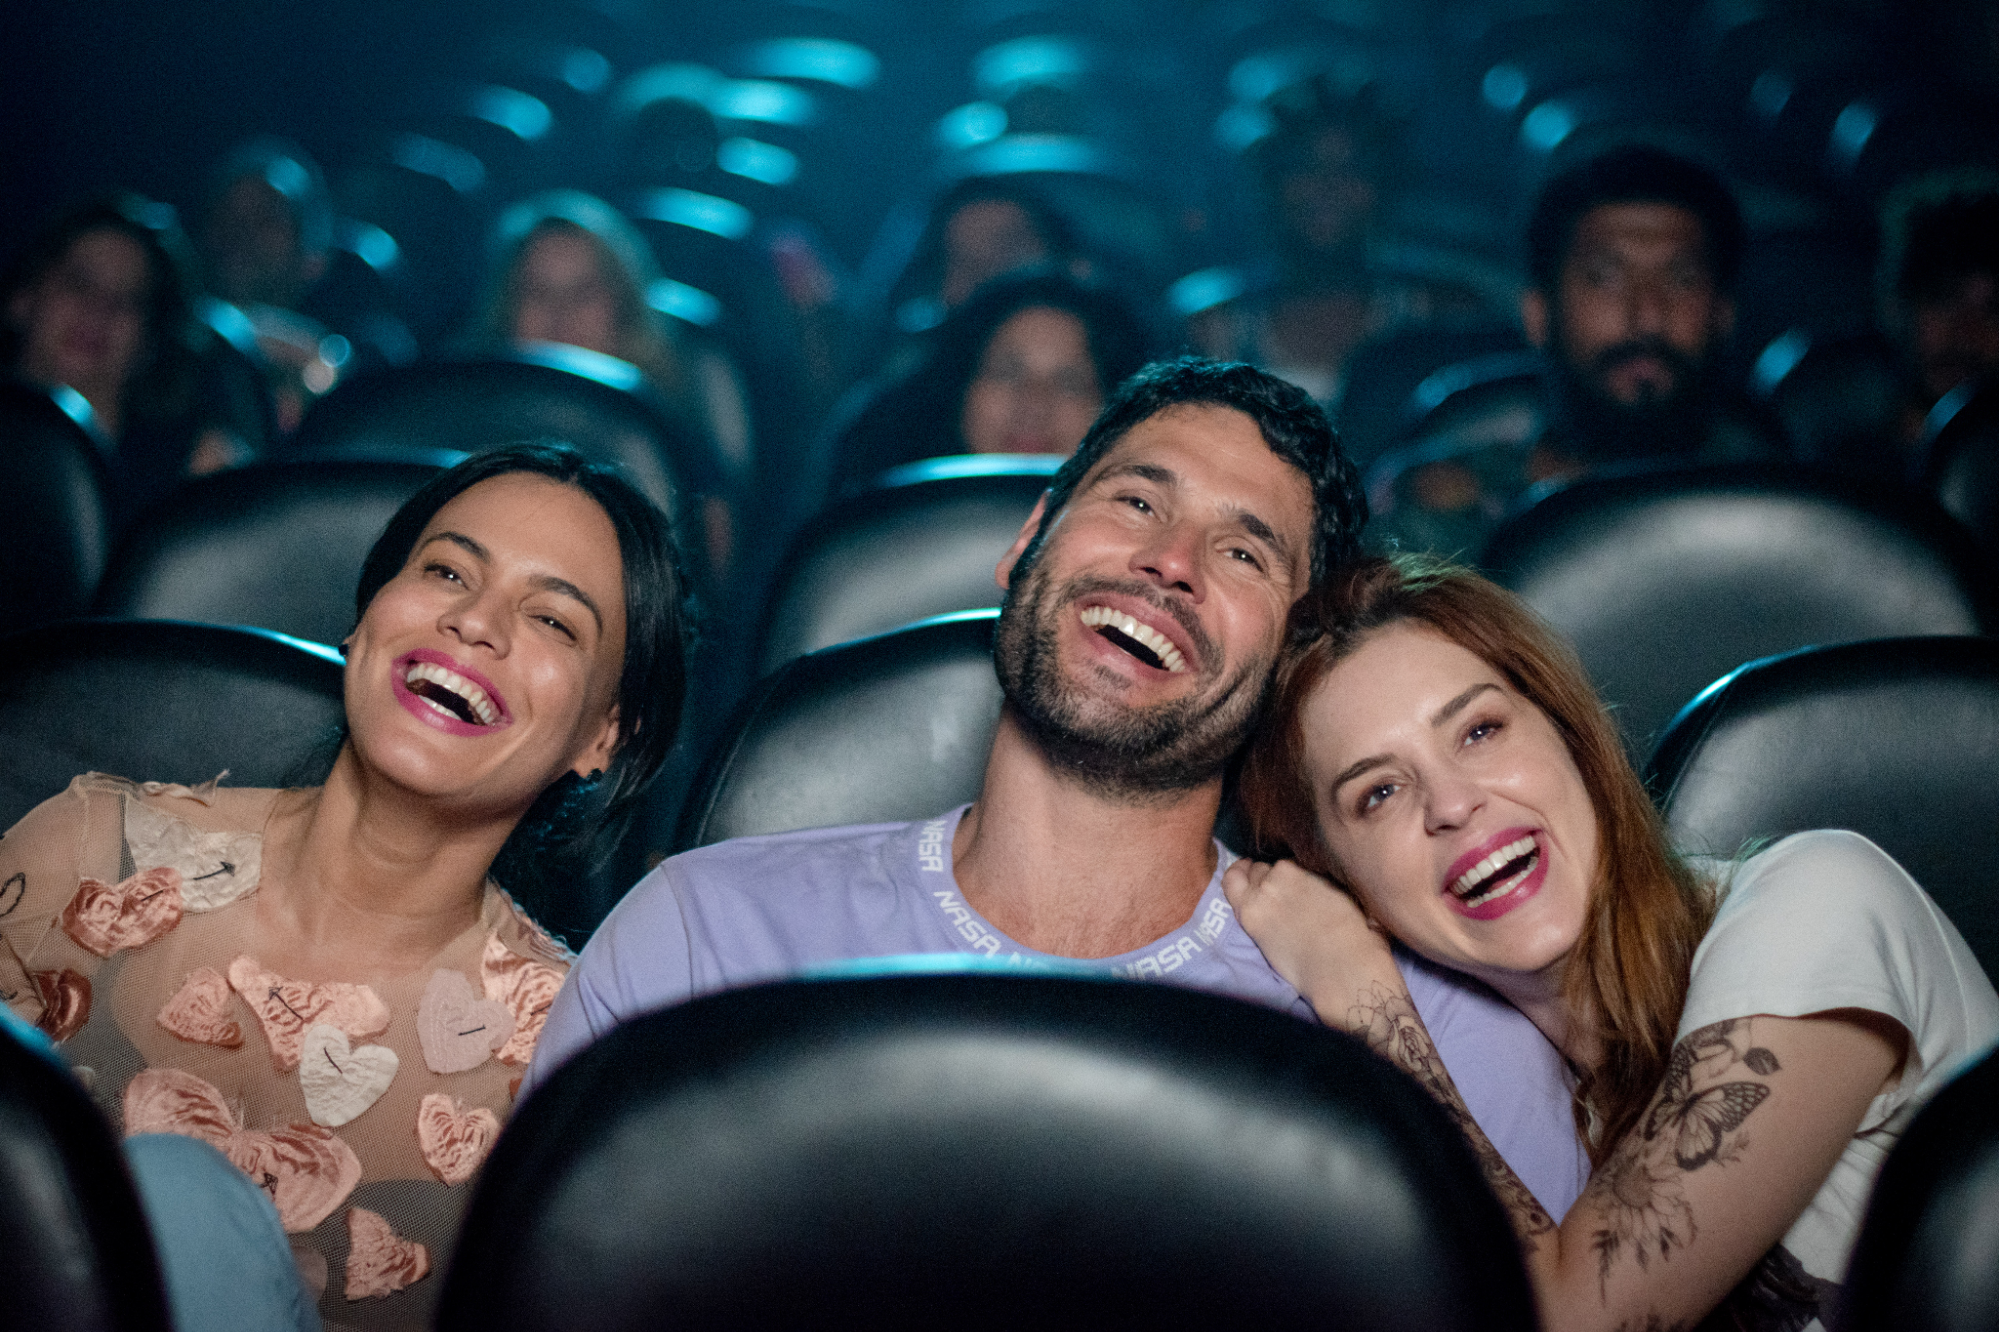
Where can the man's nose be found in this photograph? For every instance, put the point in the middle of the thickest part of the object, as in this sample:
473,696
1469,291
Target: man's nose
1172,560
1645,309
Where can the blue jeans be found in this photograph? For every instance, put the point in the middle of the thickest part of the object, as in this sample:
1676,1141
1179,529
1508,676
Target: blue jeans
222,1252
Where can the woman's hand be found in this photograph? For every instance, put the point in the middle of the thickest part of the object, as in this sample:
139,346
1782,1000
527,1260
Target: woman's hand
1315,935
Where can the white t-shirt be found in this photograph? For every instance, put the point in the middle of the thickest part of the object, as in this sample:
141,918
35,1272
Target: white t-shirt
1827,920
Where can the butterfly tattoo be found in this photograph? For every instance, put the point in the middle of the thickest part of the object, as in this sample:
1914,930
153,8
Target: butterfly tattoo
1697,1121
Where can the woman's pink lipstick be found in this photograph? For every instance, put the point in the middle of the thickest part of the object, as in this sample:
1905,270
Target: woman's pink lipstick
426,711
1524,886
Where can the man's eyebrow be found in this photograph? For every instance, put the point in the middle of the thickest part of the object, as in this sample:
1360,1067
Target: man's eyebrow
1151,472
1264,533
545,582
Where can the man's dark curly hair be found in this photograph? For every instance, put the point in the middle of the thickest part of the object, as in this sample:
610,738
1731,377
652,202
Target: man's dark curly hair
1292,424
1635,174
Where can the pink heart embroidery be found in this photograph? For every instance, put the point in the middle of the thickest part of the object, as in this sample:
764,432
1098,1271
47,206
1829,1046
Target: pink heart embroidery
65,1002
307,1171
457,1028
287,1008
199,1011
455,1139
379,1262
105,918
526,987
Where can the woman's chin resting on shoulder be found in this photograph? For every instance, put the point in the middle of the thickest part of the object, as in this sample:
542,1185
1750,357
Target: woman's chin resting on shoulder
1749,1038
327,984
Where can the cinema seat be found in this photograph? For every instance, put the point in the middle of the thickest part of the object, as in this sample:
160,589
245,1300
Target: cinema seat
78,1254
981,1150
1925,1257
922,542
470,406
1897,739
161,701
1963,450
1666,579
277,546
894,727
52,508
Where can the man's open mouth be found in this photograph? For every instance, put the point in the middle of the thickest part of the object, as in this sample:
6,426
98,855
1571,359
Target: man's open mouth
1135,637
451,694
1498,873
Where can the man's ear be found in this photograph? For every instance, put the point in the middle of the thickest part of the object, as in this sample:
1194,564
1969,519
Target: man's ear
596,756
1534,316
1003,575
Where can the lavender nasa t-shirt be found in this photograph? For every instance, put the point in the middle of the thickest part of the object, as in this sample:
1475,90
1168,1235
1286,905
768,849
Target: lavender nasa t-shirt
760,909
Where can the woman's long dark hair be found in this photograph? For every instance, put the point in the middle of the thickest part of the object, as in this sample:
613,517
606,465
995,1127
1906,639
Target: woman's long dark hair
573,824
1647,911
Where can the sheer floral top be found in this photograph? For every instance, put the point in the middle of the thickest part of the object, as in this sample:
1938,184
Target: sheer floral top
363,1105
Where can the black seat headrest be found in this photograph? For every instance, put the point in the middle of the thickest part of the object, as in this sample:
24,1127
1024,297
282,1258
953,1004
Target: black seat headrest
1924,1256
923,543
278,546
1897,739
1963,451
161,701
888,729
1664,579
79,1254
473,406
981,1151
52,508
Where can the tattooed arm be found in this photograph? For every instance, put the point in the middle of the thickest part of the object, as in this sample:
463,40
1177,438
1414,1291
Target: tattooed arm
1751,1118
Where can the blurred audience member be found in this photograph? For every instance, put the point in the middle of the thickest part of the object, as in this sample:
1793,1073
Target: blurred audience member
569,269
1324,174
1022,367
266,246
1939,283
99,311
980,229
1632,258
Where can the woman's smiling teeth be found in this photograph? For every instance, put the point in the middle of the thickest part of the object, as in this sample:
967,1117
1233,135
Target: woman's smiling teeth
1136,637
1484,882
450,693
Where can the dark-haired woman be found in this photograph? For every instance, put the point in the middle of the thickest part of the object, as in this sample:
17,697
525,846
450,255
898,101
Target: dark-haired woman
327,984
100,305
1749,1039
1022,367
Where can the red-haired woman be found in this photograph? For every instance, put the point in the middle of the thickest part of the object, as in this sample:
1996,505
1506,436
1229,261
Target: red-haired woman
1749,1038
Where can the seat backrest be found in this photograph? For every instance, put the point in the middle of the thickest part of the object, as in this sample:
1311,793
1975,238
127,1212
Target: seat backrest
473,406
1897,739
161,701
924,542
1664,579
1924,1258
79,1254
1493,399
984,1150
277,546
1963,451
895,727
52,508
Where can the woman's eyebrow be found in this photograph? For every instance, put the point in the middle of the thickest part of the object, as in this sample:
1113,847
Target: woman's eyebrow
545,582
563,587
1457,705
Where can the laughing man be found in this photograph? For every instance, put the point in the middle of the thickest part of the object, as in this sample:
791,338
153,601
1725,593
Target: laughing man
1146,602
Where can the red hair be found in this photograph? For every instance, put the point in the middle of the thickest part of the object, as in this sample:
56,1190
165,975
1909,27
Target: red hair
1627,974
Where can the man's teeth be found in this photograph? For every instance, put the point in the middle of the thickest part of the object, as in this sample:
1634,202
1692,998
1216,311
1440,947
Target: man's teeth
1466,886
452,683
1103,617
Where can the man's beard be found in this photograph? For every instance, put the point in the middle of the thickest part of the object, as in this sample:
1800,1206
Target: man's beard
1598,428
1125,753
